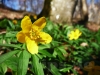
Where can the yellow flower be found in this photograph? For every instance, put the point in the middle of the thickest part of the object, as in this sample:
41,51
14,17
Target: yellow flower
14,21
92,69
74,34
32,34
35,16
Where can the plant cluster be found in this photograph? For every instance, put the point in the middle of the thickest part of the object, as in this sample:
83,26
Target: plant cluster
59,49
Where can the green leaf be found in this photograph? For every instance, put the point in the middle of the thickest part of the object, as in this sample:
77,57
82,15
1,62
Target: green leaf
74,71
3,68
75,53
45,52
7,55
3,23
54,53
66,69
60,54
61,48
95,45
10,45
1,38
12,63
23,63
11,34
11,24
54,70
97,36
37,66
44,46
2,74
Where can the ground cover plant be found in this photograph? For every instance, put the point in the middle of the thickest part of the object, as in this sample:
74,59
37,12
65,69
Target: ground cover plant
40,47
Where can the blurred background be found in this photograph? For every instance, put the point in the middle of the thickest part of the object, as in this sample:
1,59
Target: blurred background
85,12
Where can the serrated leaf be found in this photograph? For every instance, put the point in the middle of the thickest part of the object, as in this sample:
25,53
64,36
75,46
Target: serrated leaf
37,66
54,70
7,55
23,63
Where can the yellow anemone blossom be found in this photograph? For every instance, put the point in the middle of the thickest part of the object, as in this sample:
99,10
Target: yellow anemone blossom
74,34
14,21
92,69
32,34
35,16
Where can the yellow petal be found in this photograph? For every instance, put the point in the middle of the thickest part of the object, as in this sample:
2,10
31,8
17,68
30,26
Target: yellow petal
77,32
44,38
76,37
74,34
26,24
70,38
71,35
40,23
31,45
20,37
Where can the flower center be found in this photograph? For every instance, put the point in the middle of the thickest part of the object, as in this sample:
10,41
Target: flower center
34,34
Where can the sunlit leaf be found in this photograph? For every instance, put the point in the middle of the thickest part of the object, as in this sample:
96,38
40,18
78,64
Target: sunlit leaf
44,46
23,63
3,68
7,55
37,66
12,63
10,45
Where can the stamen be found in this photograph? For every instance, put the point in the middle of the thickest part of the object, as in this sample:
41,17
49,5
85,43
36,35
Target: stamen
34,34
